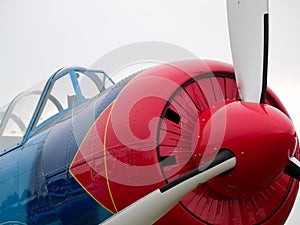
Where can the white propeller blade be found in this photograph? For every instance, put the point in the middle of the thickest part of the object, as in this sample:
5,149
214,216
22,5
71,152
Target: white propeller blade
295,161
248,30
153,206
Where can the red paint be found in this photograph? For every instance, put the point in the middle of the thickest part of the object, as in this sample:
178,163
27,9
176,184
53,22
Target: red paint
262,139
119,161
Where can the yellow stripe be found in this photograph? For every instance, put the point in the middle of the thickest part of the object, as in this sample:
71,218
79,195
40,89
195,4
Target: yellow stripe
78,153
104,143
105,164
90,193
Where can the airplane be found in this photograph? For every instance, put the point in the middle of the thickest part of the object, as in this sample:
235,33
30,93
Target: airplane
189,142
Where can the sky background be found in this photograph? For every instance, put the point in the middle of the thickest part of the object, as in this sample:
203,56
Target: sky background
38,37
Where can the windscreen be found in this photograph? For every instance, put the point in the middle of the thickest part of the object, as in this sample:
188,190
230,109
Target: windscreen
15,117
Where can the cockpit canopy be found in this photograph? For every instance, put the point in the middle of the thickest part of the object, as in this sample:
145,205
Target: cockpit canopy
33,109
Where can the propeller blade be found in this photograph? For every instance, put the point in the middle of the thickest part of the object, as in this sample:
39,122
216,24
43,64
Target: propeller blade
293,169
153,206
248,23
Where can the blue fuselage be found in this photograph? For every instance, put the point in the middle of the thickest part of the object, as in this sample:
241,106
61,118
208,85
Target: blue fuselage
36,186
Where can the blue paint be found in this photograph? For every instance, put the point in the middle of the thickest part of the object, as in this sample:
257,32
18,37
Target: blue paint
35,184
76,86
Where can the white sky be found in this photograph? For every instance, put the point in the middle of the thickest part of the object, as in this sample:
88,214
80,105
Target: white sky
38,37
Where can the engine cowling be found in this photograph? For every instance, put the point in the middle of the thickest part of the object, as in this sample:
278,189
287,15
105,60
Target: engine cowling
153,133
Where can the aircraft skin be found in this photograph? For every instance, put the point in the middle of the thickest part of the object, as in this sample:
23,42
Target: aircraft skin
36,186
73,170
179,143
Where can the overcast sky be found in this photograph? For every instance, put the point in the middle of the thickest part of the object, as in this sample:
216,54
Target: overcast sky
39,37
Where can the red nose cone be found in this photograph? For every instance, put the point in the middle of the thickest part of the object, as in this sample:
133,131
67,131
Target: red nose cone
261,137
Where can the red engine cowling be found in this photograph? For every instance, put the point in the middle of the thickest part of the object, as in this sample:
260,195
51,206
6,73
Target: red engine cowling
150,135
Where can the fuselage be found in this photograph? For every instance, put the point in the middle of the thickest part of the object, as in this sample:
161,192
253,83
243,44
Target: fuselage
36,186
84,164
